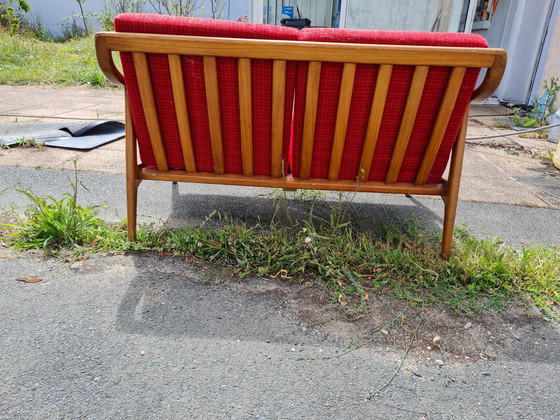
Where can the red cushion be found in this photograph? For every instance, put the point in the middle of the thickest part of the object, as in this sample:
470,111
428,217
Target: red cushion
196,94
362,97
357,36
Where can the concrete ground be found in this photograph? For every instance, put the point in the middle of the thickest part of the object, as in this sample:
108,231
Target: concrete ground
149,336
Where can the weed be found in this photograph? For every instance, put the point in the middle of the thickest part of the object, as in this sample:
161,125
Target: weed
544,107
538,115
26,143
56,223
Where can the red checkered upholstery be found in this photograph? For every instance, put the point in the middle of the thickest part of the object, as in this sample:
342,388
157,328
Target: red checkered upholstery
196,94
364,86
362,96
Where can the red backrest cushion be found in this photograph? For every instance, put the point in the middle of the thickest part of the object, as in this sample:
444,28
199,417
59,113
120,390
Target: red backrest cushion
196,94
362,96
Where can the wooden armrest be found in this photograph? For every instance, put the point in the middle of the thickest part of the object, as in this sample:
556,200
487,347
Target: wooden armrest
492,78
106,62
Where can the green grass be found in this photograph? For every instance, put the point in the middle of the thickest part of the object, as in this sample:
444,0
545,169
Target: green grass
482,275
25,61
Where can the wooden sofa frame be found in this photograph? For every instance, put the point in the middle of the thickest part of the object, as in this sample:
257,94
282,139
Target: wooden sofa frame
315,53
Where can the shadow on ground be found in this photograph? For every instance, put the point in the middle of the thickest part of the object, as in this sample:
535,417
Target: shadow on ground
171,298
296,207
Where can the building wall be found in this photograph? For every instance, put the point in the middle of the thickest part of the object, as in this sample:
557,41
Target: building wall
53,13
552,61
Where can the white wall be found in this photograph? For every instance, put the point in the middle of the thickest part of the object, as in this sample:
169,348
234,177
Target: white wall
404,15
51,13
549,64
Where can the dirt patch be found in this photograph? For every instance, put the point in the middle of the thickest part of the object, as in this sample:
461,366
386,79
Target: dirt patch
519,333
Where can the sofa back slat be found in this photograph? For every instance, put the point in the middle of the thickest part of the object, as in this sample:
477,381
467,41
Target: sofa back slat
277,129
150,109
407,122
246,113
343,111
213,101
374,120
310,117
181,111
441,123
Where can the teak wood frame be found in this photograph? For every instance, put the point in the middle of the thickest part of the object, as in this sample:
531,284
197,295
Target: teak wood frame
386,56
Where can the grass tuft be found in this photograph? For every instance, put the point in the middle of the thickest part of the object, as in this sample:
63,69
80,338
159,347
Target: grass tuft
54,224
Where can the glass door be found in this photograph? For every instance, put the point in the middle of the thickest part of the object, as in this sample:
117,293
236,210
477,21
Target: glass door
406,15
320,12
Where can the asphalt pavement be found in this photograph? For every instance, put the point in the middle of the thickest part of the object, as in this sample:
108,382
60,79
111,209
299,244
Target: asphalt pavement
146,337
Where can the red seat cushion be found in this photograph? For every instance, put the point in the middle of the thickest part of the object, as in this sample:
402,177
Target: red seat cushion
362,96
196,94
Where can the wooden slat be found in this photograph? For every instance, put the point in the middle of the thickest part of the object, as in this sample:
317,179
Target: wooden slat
181,112
213,100
440,125
407,122
294,183
302,50
343,111
150,109
374,123
278,107
310,117
246,115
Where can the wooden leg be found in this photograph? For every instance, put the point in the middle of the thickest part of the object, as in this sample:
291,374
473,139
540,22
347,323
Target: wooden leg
452,189
131,206
448,226
132,175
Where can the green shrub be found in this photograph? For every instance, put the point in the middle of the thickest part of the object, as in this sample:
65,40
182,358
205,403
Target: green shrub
112,8
11,16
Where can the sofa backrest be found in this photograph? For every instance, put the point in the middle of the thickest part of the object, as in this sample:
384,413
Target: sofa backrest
386,108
